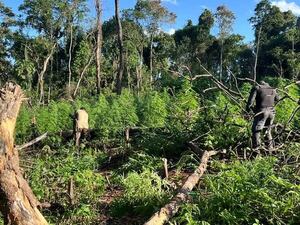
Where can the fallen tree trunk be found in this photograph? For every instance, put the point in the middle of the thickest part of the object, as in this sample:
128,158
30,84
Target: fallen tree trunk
18,204
170,209
32,142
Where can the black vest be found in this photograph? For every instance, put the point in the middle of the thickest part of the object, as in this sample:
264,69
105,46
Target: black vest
265,96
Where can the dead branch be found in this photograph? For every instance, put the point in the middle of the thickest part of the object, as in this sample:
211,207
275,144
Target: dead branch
170,209
82,74
248,79
32,142
199,76
209,89
235,81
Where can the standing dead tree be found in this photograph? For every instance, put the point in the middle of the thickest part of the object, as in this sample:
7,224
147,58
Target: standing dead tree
42,74
121,48
170,209
98,6
18,204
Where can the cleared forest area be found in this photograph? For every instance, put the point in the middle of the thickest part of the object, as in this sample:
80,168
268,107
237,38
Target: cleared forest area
168,139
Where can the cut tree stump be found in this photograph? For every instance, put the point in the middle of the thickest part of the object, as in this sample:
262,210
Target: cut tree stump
170,209
18,204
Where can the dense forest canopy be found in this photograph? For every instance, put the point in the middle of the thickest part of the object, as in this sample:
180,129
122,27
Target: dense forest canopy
160,106
47,45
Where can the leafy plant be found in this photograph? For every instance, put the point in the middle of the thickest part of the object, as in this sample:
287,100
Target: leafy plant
143,194
245,193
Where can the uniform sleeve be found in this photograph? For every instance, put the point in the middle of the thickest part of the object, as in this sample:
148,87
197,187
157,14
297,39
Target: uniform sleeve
251,98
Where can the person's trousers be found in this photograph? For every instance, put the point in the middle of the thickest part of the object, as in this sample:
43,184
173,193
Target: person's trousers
263,121
80,133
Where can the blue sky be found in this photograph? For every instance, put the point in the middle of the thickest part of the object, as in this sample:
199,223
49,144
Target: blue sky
191,9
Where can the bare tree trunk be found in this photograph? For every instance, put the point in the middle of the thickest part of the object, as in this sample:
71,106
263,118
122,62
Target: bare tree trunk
81,75
128,73
121,49
98,5
139,71
170,209
70,58
221,60
151,58
18,204
137,79
115,72
128,77
256,54
42,74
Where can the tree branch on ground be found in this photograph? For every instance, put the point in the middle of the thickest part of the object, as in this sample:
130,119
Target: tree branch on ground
170,209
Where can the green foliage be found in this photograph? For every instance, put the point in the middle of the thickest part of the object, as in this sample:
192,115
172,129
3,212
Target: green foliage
55,117
123,110
232,126
166,114
285,108
140,162
245,193
82,56
143,194
25,70
112,114
103,120
184,109
52,172
153,109
23,126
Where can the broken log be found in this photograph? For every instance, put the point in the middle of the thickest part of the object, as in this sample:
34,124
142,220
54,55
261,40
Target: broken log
18,204
170,209
32,142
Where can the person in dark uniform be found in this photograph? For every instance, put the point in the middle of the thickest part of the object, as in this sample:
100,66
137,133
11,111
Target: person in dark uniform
265,98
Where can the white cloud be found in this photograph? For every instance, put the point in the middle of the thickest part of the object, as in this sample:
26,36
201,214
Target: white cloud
284,6
171,1
204,7
171,31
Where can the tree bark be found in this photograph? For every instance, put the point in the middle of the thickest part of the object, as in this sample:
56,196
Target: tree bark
221,60
121,48
151,59
70,59
170,209
18,204
256,54
98,5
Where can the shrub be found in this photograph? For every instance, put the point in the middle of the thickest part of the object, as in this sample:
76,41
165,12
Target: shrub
123,111
140,161
23,125
143,194
153,109
227,122
112,113
245,193
184,110
51,173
